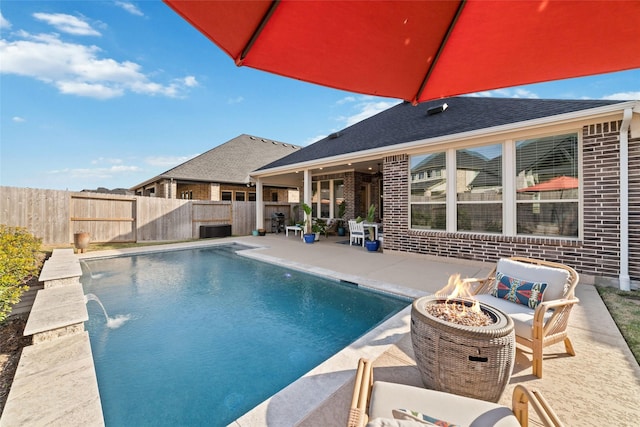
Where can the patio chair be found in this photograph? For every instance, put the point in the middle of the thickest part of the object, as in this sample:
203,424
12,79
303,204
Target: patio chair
331,227
378,404
356,232
538,295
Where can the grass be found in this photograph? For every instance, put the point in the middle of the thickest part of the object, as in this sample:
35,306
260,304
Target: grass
624,307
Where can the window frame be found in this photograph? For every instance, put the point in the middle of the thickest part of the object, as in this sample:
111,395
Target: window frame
509,195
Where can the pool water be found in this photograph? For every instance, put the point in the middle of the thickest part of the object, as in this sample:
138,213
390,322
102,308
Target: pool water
206,335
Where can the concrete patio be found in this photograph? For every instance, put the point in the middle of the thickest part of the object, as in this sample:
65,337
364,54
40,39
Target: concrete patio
601,384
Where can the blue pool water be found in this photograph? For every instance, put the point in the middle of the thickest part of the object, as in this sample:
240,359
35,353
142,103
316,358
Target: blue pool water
204,335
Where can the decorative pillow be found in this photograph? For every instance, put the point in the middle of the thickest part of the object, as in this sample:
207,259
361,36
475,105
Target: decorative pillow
518,291
406,414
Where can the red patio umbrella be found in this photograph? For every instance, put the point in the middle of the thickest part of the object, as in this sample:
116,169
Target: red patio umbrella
421,50
554,184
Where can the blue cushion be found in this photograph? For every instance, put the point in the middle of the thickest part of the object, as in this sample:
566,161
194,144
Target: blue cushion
518,291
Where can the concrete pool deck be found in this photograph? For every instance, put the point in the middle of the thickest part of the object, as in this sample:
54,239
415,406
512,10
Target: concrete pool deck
601,383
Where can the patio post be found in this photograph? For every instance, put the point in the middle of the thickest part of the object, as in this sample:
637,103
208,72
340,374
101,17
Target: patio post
259,205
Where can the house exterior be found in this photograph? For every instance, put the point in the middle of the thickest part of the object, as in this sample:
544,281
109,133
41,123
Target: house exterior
222,173
483,178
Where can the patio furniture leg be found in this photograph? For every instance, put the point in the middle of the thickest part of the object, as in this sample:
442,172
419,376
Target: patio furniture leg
569,347
537,358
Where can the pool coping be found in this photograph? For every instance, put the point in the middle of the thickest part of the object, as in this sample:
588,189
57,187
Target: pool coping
296,401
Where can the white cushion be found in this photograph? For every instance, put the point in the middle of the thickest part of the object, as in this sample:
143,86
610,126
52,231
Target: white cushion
555,278
465,411
521,314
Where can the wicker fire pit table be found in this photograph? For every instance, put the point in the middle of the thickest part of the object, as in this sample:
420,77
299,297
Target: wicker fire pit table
472,361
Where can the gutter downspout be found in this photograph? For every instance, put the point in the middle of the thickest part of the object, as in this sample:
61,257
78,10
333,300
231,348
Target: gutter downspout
625,281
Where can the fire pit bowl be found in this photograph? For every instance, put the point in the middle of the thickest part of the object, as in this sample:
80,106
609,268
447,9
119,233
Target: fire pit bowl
472,361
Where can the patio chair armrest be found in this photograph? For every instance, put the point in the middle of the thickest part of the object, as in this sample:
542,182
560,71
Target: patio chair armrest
361,394
478,286
520,401
544,306
561,308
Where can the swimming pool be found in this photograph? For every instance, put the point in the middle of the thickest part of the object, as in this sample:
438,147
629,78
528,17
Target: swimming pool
212,334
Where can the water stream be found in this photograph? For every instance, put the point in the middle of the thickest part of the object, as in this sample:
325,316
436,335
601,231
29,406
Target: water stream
112,322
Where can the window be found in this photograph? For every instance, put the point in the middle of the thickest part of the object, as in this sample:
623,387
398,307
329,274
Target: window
325,199
327,195
531,189
252,196
428,197
226,196
547,186
479,189
338,196
240,196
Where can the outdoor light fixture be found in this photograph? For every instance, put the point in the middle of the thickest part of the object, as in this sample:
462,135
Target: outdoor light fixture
436,110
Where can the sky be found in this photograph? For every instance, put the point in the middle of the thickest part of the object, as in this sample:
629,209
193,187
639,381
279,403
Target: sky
102,93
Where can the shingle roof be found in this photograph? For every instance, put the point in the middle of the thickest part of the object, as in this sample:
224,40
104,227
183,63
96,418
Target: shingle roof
406,123
229,162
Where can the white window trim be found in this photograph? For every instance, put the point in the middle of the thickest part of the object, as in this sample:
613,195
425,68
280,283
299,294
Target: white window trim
509,199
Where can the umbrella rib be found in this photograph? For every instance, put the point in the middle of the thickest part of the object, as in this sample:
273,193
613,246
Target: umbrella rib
443,43
258,30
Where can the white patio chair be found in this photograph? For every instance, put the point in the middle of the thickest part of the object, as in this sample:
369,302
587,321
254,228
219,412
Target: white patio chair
356,232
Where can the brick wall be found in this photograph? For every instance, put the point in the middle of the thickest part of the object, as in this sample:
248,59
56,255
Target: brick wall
597,254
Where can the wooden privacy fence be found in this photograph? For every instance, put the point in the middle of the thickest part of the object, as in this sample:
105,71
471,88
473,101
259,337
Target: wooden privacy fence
55,215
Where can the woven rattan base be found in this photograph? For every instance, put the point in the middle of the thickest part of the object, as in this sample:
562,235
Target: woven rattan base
472,361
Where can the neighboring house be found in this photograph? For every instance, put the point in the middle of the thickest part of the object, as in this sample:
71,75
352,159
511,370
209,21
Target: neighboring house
485,178
222,173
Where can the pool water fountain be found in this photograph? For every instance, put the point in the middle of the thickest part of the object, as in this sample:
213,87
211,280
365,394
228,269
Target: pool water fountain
112,322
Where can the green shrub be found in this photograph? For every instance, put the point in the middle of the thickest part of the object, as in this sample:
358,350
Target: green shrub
18,262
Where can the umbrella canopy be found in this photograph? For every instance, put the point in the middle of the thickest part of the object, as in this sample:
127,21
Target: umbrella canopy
421,50
554,184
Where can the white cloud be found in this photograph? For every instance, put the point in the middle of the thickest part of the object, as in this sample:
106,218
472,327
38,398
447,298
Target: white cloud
78,69
129,7
4,24
168,161
313,139
623,96
506,93
107,160
190,81
346,100
67,24
18,119
366,106
236,100
96,173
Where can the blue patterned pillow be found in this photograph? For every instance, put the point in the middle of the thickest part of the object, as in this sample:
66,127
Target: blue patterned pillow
518,291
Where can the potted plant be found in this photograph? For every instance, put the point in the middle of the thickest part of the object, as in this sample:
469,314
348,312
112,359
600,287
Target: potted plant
318,227
371,243
342,207
81,240
262,232
309,236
